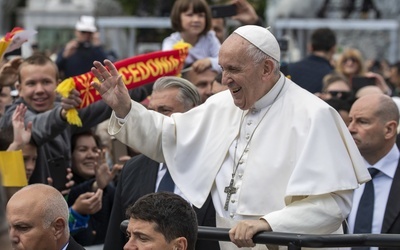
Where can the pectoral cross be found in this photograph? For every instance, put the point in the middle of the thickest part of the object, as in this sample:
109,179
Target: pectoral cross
229,190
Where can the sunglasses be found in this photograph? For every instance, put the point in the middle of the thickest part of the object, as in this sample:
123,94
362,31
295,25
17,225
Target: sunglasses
344,95
352,59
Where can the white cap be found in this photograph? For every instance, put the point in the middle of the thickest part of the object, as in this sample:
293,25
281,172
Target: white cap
262,38
86,23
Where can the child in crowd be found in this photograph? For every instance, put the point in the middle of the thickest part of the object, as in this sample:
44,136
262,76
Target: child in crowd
21,156
192,21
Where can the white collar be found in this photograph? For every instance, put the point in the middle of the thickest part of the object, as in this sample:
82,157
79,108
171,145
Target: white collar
270,97
388,164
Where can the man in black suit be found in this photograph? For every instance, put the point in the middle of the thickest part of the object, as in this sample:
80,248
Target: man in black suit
37,216
309,72
374,121
142,175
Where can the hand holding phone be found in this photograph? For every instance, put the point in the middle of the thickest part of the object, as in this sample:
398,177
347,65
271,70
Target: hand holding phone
245,13
380,82
58,172
358,82
220,11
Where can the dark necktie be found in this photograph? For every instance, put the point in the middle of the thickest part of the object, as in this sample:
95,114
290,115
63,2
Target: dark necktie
363,223
166,183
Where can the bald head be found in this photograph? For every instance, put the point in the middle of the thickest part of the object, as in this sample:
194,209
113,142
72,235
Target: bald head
41,209
373,125
382,106
50,200
368,90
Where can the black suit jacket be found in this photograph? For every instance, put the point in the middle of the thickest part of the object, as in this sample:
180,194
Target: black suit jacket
138,178
309,72
391,219
73,245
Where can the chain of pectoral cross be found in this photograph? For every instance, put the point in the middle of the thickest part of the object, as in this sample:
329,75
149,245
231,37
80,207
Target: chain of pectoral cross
229,190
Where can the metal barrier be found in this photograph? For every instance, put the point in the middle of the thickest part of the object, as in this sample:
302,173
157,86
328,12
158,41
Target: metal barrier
297,241
302,26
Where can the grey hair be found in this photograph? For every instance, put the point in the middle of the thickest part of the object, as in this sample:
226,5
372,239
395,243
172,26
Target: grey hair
387,109
55,206
259,57
188,94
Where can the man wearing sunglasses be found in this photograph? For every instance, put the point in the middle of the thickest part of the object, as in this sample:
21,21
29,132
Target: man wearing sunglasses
78,54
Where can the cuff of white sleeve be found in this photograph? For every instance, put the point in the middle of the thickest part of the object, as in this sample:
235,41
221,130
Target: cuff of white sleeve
121,121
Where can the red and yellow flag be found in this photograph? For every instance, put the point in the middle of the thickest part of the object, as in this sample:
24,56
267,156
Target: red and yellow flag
14,39
136,71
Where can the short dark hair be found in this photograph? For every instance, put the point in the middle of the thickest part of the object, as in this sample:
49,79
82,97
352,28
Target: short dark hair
75,137
199,6
174,217
38,59
323,39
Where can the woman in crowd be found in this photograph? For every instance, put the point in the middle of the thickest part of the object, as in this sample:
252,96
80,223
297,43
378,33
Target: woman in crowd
92,177
351,63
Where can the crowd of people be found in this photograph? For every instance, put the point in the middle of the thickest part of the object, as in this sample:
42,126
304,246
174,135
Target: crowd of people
232,142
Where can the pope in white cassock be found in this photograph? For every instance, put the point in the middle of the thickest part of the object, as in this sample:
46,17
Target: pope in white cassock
274,156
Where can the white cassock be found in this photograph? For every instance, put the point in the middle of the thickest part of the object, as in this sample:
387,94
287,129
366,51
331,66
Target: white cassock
297,171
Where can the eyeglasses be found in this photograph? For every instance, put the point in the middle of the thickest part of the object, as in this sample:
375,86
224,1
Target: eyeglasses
86,32
344,95
352,59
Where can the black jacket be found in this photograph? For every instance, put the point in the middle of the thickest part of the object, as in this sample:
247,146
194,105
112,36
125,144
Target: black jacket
138,177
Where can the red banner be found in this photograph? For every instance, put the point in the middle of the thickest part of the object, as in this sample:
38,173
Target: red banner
136,71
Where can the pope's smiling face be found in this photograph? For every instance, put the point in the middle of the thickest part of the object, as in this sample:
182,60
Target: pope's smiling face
245,79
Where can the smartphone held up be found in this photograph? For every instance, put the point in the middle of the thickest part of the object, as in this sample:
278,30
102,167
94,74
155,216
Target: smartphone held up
221,11
58,172
358,82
